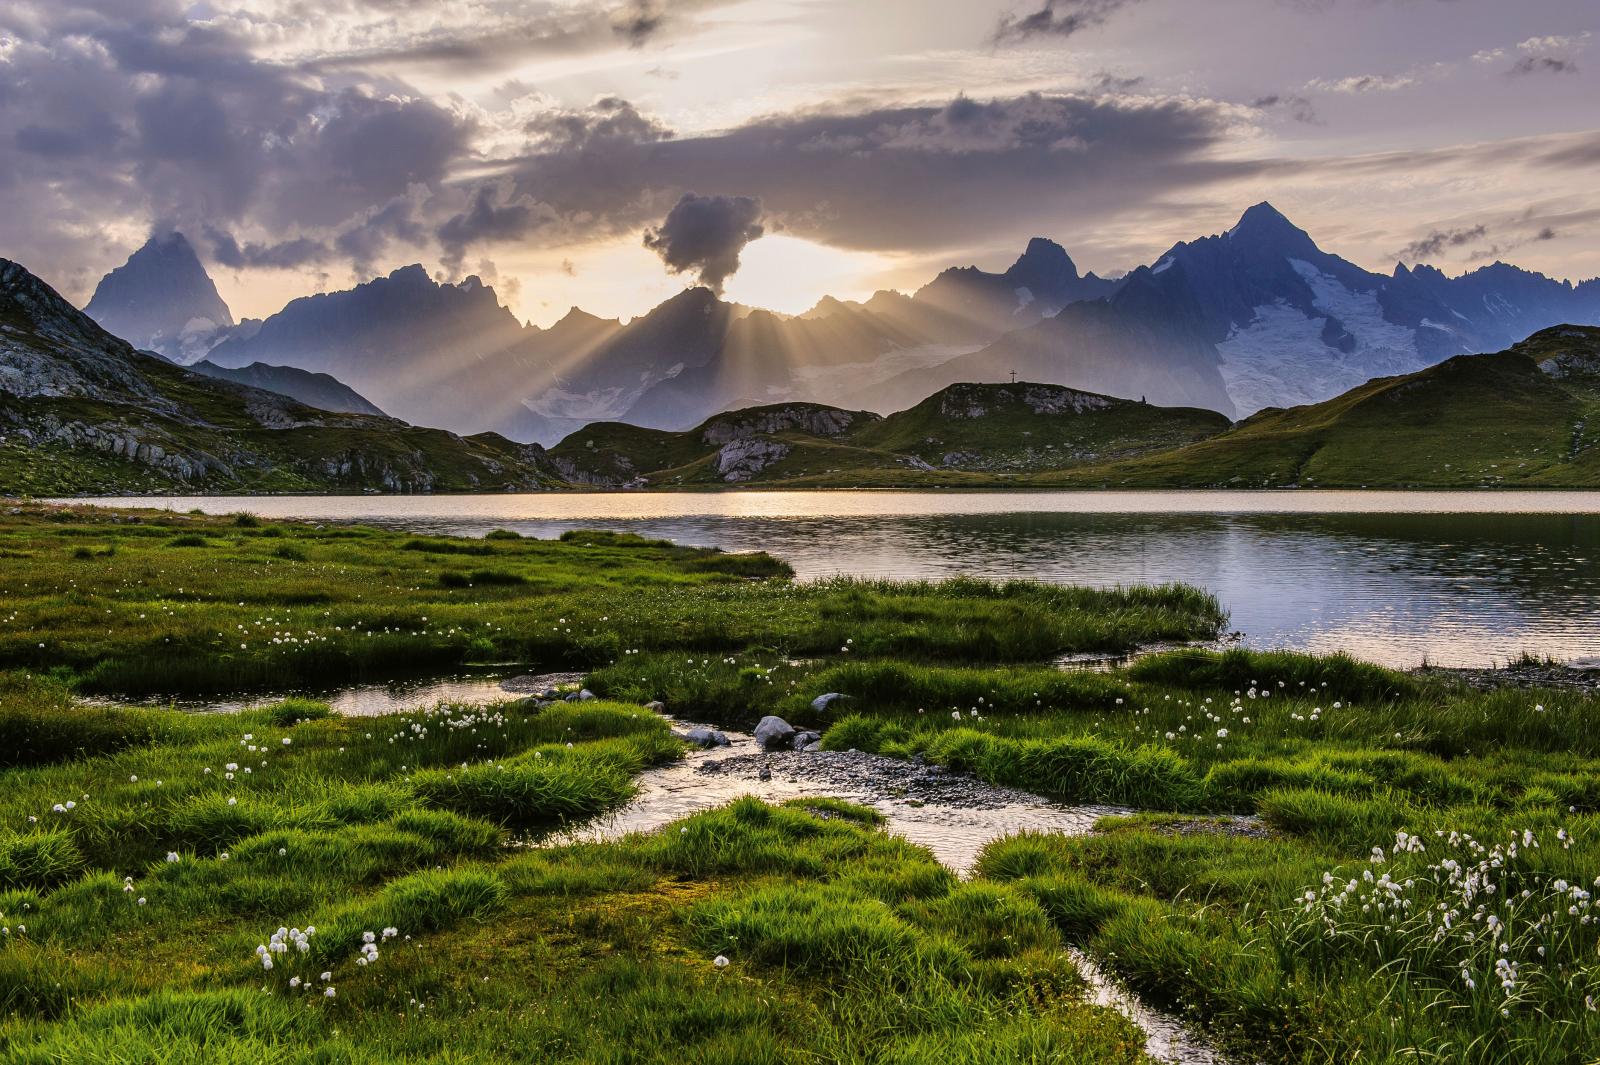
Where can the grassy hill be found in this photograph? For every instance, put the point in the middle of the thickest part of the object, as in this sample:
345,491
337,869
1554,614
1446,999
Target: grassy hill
1528,416
1029,427
967,435
82,411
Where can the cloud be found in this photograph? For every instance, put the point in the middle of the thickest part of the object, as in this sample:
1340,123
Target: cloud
1438,240
1105,81
283,255
609,120
114,113
706,234
489,220
638,21
1295,106
1542,64
1363,83
914,178
483,36
1057,18
1552,54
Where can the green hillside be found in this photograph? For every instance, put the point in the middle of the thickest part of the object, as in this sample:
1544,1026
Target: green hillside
967,435
1029,427
1528,417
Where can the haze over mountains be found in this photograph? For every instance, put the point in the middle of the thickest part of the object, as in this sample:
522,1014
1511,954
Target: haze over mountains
82,410
1256,317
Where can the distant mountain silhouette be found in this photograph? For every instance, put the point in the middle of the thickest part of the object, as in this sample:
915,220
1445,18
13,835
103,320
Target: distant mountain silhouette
82,410
1258,316
162,300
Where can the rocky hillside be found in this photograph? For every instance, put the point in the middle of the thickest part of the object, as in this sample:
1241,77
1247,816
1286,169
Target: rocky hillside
82,411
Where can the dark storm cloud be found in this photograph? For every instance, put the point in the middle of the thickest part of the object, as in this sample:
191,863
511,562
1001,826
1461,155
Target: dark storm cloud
118,110
1057,18
706,234
366,240
910,177
283,255
489,220
1438,240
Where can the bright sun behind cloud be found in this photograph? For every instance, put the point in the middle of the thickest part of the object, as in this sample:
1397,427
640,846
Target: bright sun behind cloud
789,274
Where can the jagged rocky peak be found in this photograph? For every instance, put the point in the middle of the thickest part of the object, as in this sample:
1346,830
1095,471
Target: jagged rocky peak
1044,262
1266,227
161,298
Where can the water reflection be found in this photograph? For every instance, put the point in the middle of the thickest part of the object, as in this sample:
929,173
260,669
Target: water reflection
1456,578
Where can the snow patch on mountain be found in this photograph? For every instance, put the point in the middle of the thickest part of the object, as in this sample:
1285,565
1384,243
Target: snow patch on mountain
1282,359
1263,364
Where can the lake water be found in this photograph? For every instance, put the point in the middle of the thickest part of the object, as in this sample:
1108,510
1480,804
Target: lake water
1456,578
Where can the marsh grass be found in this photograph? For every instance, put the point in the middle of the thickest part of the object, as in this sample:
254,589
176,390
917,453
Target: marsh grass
843,942
241,607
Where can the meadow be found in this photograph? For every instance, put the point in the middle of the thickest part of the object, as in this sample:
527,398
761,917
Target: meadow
1334,862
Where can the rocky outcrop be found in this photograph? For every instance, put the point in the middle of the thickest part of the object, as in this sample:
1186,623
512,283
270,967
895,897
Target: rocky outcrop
809,418
742,459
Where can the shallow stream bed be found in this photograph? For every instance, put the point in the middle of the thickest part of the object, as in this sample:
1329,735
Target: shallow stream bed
951,814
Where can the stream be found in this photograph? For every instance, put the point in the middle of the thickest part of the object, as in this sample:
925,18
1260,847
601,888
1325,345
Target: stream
951,814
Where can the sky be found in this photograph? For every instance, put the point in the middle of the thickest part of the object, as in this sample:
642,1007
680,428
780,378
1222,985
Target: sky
605,153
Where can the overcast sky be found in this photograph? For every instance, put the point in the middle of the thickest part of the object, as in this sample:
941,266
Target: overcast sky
843,145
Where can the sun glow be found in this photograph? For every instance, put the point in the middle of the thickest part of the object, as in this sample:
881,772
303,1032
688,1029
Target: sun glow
789,274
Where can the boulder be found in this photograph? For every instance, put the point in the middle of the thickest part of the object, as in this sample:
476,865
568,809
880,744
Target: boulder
821,703
774,732
585,695
802,739
704,737
812,748
656,706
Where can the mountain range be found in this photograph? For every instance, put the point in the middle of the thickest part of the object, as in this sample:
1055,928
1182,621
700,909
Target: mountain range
1256,317
83,411
1527,416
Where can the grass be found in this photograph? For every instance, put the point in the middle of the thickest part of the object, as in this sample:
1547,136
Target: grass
252,604
145,854
842,943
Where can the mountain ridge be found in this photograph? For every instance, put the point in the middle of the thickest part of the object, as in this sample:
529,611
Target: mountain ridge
1255,316
82,410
